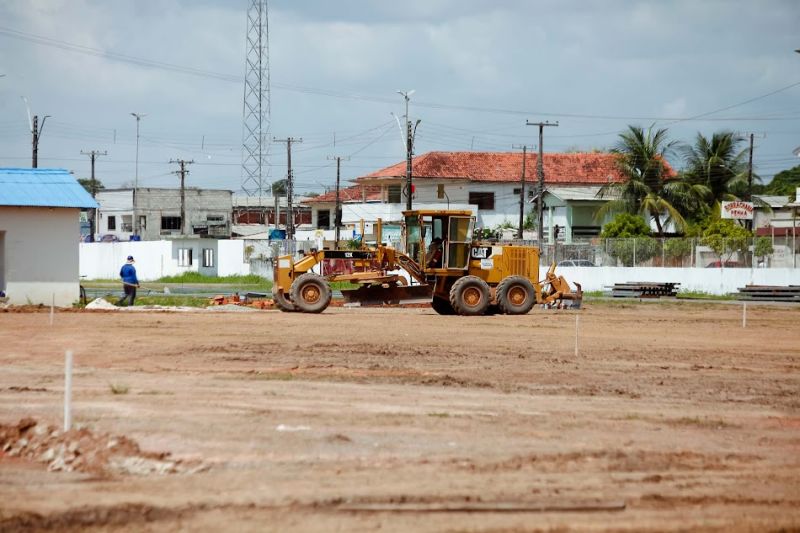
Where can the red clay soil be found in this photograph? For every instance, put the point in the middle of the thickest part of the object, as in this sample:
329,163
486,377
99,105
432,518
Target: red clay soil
672,417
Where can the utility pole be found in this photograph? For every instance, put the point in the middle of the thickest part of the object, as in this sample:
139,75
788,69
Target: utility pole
139,117
409,148
540,173
93,157
36,132
182,173
522,189
337,217
750,172
289,185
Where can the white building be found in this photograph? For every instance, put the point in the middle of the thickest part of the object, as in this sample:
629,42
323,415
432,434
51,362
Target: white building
155,213
488,183
39,235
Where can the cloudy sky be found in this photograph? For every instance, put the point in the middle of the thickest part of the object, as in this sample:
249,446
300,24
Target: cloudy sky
479,69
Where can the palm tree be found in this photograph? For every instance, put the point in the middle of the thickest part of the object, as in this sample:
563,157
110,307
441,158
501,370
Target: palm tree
718,163
649,187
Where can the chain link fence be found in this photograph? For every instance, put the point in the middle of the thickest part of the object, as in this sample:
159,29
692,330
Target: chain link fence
758,252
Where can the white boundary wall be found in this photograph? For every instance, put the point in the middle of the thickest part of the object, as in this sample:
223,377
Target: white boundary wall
710,280
155,259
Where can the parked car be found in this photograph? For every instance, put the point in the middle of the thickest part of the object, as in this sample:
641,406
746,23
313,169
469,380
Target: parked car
108,238
576,263
728,264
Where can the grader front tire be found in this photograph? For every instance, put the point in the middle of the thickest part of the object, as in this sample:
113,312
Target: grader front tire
311,293
515,295
283,302
470,296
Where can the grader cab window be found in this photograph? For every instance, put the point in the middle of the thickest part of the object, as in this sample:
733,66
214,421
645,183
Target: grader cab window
413,237
458,242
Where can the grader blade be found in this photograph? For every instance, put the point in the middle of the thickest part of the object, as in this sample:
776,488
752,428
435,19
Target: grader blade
573,299
379,295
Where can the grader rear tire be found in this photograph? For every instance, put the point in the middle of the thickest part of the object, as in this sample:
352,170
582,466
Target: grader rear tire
470,296
515,295
283,302
311,293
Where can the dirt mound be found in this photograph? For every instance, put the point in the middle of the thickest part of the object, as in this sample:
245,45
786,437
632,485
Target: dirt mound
101,303
81,450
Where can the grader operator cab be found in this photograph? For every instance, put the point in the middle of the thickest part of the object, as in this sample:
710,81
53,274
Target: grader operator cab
443,264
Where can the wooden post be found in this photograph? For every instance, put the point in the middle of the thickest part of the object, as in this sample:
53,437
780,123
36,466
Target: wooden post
68,391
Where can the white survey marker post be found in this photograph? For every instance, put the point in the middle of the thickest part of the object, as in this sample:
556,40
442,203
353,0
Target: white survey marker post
68,390
744,315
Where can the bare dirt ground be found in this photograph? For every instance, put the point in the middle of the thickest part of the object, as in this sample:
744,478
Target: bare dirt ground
400,419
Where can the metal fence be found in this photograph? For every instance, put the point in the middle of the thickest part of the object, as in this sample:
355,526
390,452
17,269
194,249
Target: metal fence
759,252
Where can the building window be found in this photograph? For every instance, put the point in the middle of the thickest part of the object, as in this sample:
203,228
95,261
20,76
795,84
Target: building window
530,190
324,219
215,218
440,191
184,257
484,200
208,257
395,194
142,222
168,223
112,223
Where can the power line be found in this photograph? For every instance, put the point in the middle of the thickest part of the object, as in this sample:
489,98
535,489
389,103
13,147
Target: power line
182,69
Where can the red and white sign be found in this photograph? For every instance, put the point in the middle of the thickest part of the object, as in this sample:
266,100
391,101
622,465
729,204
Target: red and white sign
737,210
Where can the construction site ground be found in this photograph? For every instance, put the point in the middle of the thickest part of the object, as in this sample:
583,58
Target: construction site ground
672,417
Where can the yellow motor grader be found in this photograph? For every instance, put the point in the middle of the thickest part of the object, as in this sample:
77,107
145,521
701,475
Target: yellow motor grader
444,266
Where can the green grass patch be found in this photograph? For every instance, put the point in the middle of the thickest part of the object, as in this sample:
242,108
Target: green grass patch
170,300
439,415
593,294
196,277
699,295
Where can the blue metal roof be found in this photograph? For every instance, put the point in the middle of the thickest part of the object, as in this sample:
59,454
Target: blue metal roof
42,187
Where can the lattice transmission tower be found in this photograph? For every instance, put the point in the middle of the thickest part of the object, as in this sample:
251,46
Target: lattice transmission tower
256,108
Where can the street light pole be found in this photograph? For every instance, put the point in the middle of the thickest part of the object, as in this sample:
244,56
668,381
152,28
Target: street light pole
139,117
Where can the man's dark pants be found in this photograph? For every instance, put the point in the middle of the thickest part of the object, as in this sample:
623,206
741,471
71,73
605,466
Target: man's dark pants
130,293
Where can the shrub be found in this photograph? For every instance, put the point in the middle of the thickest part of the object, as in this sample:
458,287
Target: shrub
677,249
725,237
627,249
626,225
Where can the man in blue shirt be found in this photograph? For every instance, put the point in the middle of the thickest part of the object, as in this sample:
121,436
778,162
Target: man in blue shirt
129,281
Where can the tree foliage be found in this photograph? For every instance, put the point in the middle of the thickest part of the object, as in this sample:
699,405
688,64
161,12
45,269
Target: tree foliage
719,164
628,239
625,225
279,187
784,183
763,247
677,249
725,237
91,186
647,188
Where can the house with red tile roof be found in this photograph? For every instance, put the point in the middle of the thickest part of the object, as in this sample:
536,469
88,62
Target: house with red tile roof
488,183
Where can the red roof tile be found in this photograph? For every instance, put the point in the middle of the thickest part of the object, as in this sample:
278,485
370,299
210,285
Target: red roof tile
573,169
355,193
